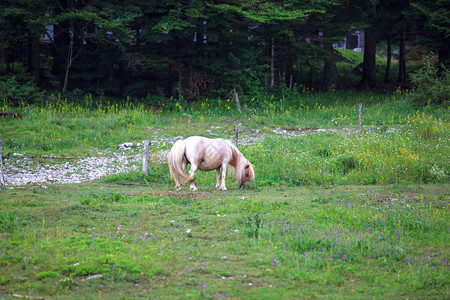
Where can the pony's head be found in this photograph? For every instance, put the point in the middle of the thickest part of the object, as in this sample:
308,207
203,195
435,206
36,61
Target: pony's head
243,169
247,174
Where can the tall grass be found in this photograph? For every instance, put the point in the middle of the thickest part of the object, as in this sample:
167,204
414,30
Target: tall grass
399,143
417,151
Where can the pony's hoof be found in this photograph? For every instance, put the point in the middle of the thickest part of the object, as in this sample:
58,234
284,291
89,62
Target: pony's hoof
193,189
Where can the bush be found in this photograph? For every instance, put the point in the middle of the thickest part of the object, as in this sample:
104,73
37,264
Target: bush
20,89
45,275
432,84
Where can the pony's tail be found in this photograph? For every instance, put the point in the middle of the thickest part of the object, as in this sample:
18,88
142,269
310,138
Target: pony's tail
176,157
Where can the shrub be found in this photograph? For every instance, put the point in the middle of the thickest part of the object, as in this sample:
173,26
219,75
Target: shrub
432,84
45,275
20,89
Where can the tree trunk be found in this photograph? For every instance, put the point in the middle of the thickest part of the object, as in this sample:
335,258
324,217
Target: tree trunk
402,61
368,79
387,72
35,63
330,68
272,64
69,59
2,179
444,56
300,73
60,44
236,98
312,76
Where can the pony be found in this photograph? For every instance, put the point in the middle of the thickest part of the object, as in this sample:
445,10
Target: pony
206,155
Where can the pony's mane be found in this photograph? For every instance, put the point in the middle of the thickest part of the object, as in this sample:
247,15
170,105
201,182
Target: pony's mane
241,161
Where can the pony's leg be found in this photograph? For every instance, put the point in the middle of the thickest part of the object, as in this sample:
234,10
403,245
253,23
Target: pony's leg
192,174
177,185
224,174
218,178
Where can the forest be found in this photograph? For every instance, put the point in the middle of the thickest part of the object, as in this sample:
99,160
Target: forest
190,48
342,108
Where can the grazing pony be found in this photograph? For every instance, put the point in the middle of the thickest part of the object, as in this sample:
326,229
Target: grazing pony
207,155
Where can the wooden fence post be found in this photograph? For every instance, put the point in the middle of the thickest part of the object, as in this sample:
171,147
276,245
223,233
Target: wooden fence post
360,118
145,159
2,179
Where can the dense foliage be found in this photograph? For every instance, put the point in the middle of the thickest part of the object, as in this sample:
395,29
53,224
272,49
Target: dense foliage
191,48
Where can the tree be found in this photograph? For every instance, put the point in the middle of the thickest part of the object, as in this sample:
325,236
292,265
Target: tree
368,79
433,18
338,20
79,25
274,23
189,48
393,26
21,33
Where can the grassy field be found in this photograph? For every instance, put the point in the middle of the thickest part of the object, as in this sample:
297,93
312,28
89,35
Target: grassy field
152,242
331,214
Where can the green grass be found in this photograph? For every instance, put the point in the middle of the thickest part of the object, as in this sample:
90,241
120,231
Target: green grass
149,241
348,78
394,147
331,214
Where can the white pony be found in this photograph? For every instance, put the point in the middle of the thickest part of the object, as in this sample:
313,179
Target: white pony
206,155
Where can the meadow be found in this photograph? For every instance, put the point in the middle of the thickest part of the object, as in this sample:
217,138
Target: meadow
332,213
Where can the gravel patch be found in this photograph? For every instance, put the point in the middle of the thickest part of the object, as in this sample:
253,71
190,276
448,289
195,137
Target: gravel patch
25,170
20,170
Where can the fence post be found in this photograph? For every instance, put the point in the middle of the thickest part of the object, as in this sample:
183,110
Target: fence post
236,132
360,118
2,179
145,159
